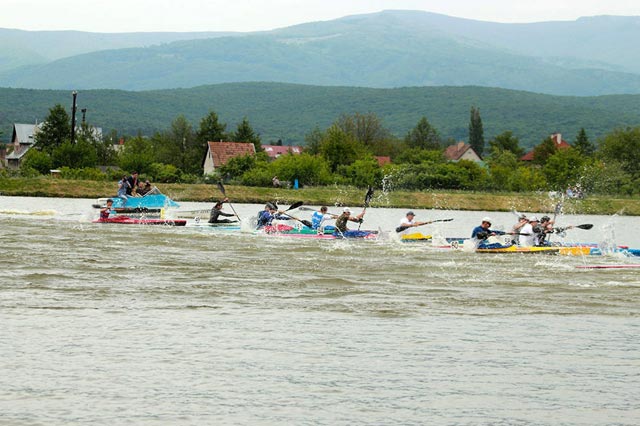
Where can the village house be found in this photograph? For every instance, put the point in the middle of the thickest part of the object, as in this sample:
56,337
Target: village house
461,151
218,153
275,151
560,144
22,138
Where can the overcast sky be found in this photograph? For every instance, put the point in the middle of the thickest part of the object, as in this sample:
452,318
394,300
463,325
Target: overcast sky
254,15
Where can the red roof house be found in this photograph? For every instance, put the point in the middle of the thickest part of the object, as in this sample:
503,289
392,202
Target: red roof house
383,160
275,151
461,151
560,144
218,153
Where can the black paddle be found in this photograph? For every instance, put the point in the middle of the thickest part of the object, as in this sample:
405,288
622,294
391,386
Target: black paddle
295,206
224,194
403,227
584,226
367,200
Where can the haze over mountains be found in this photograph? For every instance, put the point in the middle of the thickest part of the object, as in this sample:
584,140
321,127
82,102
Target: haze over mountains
589,56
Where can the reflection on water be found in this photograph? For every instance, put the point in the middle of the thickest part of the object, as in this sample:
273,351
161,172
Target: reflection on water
108,324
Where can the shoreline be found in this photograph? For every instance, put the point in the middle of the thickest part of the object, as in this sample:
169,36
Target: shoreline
541,202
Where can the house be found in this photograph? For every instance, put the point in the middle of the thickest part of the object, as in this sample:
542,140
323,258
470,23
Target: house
560,144
22,139
461,151
275,151
383,160
218,153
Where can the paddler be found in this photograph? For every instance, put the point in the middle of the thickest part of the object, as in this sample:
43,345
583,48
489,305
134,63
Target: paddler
270,212
216,211
341,222
483,231
409,222
106,210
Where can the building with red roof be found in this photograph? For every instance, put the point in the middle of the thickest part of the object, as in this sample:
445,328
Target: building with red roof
461,151
560,144
275,151
218,153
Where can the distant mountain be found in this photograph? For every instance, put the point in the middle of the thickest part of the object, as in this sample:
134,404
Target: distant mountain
289,112
19,48
590,56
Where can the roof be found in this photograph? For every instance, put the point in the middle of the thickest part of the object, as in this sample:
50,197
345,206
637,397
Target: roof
221,152
383,160
456,151
274,151
23,133
560,144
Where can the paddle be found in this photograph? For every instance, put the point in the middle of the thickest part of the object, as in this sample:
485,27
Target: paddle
367,200
485,235
224,194
584,226
295,206
403,227
309,209
556,212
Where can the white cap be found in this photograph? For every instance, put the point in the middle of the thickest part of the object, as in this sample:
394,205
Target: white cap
487,219
346,209
533,219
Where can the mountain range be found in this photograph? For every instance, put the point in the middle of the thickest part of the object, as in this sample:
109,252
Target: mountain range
390,49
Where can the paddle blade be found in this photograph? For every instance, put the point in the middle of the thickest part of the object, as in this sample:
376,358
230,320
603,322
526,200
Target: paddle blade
585,226
221,188
443,220
368,196
295,205
307,223
401,228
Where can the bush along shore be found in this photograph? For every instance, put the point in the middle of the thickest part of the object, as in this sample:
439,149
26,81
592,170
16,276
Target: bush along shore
335,195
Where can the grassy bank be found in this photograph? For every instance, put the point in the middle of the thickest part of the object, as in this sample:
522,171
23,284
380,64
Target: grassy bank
456,200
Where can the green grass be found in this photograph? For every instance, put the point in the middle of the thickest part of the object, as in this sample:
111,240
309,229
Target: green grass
333,195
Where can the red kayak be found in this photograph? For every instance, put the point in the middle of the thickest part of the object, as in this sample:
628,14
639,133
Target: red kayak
133,221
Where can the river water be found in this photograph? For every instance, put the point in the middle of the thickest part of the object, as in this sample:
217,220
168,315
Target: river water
115,324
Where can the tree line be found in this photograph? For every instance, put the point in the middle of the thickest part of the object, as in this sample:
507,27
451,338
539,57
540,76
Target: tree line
345,153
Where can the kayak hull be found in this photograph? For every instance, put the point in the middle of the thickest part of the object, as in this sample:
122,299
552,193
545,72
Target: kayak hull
124,220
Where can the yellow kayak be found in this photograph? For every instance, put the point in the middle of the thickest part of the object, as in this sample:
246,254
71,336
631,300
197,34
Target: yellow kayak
566,251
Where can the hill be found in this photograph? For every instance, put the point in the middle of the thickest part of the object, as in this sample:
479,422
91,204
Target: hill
288,111
389,49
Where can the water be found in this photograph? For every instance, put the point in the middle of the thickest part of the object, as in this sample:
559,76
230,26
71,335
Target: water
116,324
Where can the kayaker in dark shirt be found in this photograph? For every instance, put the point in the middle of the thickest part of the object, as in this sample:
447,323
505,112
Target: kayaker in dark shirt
482,232
341,221
216,211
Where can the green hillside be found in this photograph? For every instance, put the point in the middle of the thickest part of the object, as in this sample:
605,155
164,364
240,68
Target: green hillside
384,50
288,111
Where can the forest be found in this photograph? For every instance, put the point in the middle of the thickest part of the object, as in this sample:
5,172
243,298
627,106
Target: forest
343,153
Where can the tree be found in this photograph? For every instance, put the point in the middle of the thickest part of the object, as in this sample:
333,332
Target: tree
211,130
543,151
368,130
340,148
506,142
564,168
37,160
74,155
476,132
623,146
583,145
244,133
54,131
423,136
137,155
313,139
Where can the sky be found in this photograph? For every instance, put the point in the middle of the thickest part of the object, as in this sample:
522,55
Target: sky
114,16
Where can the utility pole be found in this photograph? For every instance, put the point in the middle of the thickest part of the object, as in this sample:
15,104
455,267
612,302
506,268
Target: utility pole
73,117
84,115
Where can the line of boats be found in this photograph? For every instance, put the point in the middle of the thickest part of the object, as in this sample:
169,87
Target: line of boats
157,209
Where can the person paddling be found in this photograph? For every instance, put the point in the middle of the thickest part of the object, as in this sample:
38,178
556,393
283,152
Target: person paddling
319,217
266,216
106,210
341,221
216,212
483,231
409,222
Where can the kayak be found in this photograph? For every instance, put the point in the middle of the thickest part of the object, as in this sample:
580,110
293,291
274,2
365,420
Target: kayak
149,201
282,230
125,220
